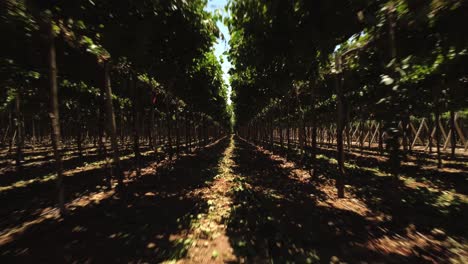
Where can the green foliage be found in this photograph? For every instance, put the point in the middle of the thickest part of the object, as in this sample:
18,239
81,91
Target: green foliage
166,44
282,48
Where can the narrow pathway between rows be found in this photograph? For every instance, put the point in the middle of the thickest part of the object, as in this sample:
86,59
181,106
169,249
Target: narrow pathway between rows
266,209
209,241
234,202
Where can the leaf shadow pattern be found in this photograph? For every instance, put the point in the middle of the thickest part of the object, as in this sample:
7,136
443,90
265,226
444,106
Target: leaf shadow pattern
409,210
423,169
279,219
425,209
419,206
26,202
148,227
452,177
45,167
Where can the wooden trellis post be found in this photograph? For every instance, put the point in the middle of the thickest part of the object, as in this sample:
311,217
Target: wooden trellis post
447,140
355,131
442,130
432,135
377,127
367,134
460,133
417,133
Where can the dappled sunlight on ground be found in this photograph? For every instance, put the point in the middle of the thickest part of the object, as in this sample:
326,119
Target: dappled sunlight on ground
302,220
235,202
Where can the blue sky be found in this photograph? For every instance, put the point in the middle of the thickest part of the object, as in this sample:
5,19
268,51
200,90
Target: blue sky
222,45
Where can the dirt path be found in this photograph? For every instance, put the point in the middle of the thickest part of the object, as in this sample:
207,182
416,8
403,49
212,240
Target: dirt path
235,202
209,242
146,228
281,215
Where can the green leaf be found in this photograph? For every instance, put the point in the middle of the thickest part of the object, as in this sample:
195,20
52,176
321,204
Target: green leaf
387,80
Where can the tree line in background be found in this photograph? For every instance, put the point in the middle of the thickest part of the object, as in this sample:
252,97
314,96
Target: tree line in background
110,74
307,65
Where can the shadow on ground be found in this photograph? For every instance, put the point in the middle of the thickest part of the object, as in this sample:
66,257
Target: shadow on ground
147,227
419,206
281,219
